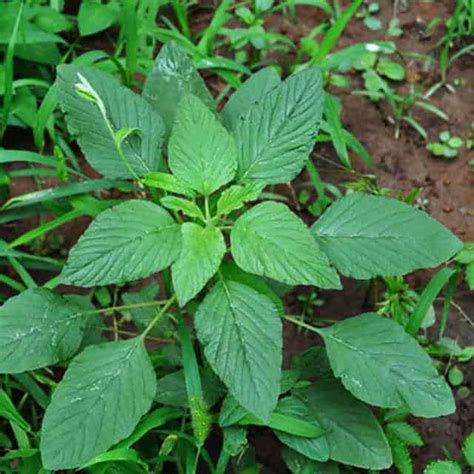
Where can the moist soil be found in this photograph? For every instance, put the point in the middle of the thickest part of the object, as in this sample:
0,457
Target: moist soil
402,164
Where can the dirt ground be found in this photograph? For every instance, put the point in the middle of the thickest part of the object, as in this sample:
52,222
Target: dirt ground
403,164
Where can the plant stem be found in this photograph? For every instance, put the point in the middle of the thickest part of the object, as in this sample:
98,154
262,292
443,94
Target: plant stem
302,324
159,316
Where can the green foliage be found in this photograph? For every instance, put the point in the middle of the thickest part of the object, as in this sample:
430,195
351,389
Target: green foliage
208,338
443,467
468,450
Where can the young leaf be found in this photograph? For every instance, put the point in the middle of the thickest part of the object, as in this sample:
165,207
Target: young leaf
405,432
277,134
468,450
270,240
103,395
367,236
129,241
94,17
173,77
249,93
189,208
353,434
38,328
379,363
235,196
317,448
167,182
202,154
401,455
443,467
241,332
202,251
123,110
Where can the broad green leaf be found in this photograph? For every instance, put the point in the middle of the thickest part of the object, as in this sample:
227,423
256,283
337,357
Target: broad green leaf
202,154
270,240
100,400
235,439
124,243
367,236
249,93
177,204
143,316
379,363
94,17
353,433
38,328
124,110
202,251
235,196
116,455
316,448
241,332
277,134
174,76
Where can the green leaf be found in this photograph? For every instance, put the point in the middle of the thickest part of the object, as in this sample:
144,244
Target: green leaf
299,464
379,363
202,154
241,332
470,276
316,448
235,196
353,434
103,395
270,240
392,70
468,449
177,204
94,17
174,76
235,439
124,243
167,182
38,328
405,432
277,134
367,236
443,467
9,412
143,316
123,109
401,455
201,254
116,455
249,93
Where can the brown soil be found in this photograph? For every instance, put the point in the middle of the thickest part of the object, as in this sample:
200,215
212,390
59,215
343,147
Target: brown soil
403,165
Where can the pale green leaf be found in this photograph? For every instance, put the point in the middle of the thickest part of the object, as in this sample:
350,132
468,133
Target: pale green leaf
379,363
124,243
235,196
174,76
167,182
100,400
38,328
177,204
270,240
8,411
124,110
202,154
367,236
241,332
202,251
249,93
353,433
277,134
443,467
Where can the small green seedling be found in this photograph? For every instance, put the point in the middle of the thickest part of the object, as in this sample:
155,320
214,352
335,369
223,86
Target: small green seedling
447,147
367,14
